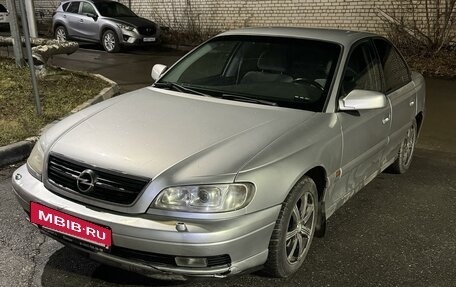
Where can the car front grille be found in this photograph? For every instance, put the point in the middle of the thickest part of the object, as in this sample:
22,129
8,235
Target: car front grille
108,186
147,31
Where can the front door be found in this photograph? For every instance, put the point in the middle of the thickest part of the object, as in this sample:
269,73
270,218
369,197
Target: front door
365,132
87,25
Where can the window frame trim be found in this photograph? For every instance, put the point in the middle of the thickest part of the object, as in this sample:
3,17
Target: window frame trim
89,3
344,68
79,7
409,73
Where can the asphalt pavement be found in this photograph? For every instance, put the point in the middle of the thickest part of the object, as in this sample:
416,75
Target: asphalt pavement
400,230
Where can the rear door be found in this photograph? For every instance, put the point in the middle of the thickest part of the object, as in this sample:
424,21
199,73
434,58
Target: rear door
399,89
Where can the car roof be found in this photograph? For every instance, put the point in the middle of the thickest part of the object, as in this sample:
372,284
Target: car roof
343,37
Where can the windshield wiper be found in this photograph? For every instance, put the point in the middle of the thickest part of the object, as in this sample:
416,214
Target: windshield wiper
247,99
179,88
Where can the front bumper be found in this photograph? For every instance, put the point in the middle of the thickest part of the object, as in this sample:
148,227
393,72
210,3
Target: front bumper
244,238
133,38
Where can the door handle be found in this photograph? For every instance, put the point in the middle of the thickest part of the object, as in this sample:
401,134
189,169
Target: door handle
412,103
385,120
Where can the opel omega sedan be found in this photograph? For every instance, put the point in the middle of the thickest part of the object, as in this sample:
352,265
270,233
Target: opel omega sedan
233,159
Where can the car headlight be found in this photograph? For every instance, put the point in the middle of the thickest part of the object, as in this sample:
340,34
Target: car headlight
35,160
125,27
205,198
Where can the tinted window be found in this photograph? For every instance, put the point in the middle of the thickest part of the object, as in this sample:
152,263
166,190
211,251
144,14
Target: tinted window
293,73
114,9
3,9
394,68
73,7
87,9
361,71
65,6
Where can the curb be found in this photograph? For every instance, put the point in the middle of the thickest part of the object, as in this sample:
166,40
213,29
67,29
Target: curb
18,151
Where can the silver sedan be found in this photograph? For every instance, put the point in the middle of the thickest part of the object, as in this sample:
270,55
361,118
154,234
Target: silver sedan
233,159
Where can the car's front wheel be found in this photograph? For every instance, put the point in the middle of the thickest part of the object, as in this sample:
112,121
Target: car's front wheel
110,42
294,230
60,33
404,157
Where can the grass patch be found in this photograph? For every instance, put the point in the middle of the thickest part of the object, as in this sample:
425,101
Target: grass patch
60,92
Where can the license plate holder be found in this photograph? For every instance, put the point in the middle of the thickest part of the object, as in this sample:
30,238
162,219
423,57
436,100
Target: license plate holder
148,39
71,226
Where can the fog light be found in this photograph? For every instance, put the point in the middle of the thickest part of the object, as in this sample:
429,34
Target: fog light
191,262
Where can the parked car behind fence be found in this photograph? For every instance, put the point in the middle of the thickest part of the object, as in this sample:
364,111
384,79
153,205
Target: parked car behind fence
107,22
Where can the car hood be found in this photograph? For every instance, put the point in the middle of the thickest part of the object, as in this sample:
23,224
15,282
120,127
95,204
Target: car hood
152,132
135,21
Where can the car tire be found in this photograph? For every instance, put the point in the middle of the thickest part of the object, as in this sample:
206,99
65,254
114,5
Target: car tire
405,154
293,231
110,41
60,33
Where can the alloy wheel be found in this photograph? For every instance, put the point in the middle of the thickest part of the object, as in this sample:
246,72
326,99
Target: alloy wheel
300,228
109,41
60,34
408,145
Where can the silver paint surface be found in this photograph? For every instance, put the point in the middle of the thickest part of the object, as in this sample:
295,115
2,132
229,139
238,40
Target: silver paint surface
183,139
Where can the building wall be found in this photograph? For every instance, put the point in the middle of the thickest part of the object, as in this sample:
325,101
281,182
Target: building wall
219,15
223,14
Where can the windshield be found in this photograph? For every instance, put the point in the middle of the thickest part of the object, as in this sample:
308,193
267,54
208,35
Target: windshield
113,9
288,72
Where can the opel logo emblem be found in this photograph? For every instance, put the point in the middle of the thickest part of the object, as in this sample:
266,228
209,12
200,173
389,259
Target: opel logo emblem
86,181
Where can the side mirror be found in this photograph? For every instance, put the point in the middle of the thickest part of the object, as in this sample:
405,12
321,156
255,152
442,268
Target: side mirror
363,100
157,71
94,16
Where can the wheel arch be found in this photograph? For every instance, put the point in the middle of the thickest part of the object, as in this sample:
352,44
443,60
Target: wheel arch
419,120
319,175
107,27
57,24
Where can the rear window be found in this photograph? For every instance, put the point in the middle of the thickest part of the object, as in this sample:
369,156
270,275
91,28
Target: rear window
3,9
65,6
73,7
394,67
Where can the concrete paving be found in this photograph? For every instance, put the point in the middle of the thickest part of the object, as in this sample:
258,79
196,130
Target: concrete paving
130,69
400,230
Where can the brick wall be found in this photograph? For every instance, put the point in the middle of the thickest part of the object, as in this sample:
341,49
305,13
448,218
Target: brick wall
219,15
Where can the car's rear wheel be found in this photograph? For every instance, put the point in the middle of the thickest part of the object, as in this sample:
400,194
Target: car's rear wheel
294,230
110,42
404,157
60,33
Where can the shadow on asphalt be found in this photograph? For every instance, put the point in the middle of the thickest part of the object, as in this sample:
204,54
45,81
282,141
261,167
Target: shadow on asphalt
77,268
